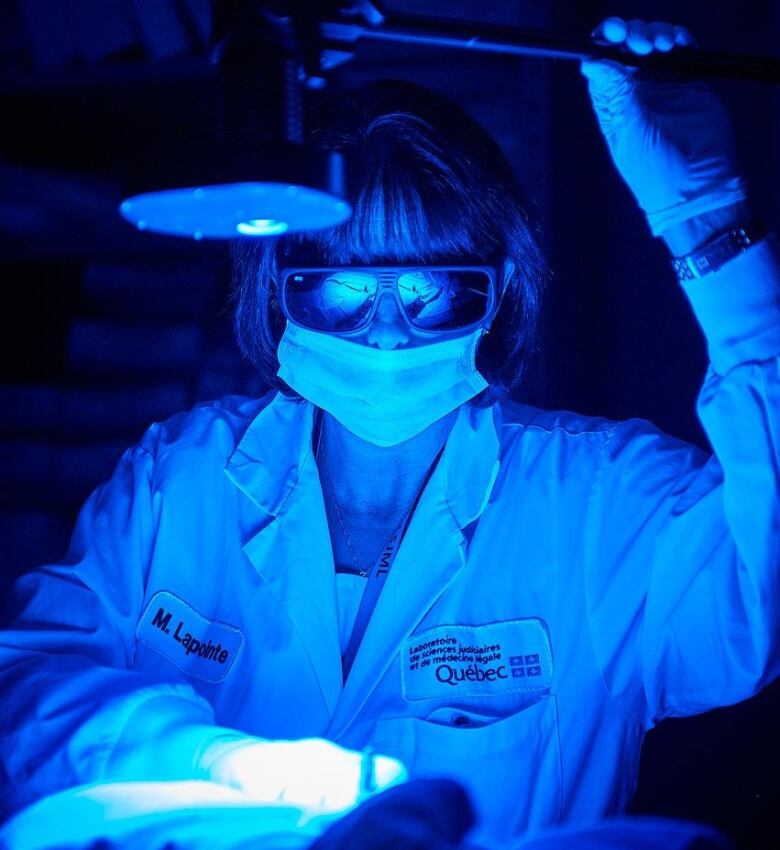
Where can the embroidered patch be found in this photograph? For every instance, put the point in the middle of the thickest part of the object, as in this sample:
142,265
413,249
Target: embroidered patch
201,647
512,656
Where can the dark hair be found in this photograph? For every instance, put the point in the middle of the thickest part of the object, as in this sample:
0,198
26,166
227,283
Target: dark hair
427,185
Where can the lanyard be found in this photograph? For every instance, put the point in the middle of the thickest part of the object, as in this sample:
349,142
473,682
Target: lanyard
374,584
377,577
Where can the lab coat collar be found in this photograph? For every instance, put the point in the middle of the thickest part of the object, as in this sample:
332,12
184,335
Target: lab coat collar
471,461
266,465
267,462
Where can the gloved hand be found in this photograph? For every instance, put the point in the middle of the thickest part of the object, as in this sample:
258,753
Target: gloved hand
425,814
312,773
670,140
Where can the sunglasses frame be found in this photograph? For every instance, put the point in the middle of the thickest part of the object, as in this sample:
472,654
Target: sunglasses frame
387,277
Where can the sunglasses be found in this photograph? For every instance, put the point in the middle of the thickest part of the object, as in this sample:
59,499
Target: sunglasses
433,299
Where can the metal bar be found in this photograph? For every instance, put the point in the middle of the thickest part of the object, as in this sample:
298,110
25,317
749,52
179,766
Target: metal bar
481,38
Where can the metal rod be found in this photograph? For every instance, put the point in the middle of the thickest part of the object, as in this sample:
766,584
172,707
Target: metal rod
482,38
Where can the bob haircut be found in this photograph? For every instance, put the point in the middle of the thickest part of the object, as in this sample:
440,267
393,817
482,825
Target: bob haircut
427,185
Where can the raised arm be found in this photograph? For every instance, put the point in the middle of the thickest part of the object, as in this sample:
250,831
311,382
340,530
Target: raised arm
684,566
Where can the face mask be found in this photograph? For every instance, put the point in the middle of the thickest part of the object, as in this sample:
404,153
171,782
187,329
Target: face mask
383,397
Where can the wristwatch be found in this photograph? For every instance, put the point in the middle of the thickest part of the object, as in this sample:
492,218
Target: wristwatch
713,254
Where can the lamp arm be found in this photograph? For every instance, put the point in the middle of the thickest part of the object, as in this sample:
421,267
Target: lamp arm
488,38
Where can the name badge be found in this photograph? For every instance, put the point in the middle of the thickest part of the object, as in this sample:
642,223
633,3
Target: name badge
513,656
201,647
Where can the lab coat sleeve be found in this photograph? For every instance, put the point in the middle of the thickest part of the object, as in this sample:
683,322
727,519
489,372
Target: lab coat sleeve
72,710
683,550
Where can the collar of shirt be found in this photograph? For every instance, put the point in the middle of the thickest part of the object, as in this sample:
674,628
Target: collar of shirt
268,461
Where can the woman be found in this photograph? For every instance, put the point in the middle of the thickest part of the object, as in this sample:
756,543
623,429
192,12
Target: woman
518,595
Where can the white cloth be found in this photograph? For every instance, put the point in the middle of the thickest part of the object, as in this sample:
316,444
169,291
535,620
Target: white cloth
627,575
187,815
384,396
205,816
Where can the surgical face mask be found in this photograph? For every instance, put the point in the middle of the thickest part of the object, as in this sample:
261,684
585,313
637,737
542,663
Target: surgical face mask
383,397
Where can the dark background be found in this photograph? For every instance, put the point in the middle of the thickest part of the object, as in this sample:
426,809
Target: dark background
105,330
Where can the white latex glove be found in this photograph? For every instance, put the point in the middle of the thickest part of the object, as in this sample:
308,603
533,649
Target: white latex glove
312,773
671,140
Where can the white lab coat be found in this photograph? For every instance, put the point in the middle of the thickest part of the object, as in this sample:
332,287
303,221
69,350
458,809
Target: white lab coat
628,576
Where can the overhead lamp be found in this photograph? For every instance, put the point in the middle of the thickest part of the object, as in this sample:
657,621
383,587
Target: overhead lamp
233,210
249,174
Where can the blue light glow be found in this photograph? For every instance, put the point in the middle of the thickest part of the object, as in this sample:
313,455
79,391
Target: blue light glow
262,227
191,813
222,211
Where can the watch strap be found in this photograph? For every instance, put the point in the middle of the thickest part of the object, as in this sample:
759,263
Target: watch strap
713,254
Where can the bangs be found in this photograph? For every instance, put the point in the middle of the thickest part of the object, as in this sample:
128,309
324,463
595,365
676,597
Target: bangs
400,230
412,207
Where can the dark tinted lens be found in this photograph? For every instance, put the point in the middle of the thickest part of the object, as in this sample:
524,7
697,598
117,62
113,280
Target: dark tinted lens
329,301
444,300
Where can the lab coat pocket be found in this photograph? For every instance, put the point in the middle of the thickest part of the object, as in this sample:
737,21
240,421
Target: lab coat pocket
511,767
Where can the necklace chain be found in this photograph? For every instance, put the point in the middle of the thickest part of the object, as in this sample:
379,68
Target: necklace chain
339,518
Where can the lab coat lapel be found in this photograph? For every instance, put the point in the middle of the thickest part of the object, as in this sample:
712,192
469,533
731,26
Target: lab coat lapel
290,547
431,555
